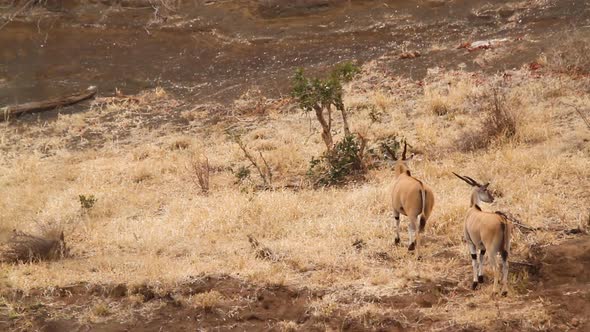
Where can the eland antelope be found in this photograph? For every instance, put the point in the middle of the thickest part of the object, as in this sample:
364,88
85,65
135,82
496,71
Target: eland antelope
410,197
486,231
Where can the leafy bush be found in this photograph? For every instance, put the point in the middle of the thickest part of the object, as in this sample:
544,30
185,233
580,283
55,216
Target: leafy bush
87,202
242,174
339,164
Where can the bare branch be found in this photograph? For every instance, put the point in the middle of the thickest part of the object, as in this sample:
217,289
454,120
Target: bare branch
517,222
268,169
580,113
266,177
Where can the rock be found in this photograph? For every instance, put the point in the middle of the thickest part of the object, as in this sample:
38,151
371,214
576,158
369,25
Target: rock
410,55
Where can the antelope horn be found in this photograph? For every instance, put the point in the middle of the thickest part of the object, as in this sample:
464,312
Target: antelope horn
405,148
475,182
466,179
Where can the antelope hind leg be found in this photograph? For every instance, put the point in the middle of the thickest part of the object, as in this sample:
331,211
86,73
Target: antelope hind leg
396,218
482,254
412,232
473,252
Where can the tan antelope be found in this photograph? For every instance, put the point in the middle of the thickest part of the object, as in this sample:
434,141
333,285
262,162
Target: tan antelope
410,197
486,231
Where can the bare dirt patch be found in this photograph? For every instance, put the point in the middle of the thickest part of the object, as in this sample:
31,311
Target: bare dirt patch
238,305
564,281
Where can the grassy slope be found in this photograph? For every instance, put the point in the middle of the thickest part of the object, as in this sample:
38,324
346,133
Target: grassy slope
150,224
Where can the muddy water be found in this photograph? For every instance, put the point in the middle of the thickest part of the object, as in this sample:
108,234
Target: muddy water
215,50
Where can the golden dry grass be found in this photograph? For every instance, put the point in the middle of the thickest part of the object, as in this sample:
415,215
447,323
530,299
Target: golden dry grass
151,223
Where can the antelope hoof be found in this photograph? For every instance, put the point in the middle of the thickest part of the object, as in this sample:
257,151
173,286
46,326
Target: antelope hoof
412,246
480,279
397,241
474,285
504,293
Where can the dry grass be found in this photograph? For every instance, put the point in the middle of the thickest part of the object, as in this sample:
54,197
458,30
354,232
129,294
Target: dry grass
148,225
207,301
571,54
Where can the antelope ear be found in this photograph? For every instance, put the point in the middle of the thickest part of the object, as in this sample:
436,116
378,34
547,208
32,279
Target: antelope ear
61,236
486,185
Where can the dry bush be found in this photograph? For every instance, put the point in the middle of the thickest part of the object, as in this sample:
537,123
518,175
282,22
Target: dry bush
49,244
499,123
571,54
199,171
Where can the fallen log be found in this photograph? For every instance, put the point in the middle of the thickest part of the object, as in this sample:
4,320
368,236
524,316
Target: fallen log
46,105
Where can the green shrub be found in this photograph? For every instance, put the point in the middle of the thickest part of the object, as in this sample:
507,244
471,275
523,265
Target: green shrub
242,174
338,165
388,147
87,202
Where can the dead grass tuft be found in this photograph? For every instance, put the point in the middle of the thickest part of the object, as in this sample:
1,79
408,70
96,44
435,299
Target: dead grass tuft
23,247
499,124
288,326
261,252
199,172
101,310
207,301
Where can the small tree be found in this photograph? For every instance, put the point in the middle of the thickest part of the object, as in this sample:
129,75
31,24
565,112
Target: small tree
320,95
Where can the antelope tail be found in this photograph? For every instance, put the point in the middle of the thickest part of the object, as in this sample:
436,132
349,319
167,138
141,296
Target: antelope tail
422,217
506,244
506,230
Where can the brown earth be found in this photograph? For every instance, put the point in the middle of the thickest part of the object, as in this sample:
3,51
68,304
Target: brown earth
216,50
565,281
558,277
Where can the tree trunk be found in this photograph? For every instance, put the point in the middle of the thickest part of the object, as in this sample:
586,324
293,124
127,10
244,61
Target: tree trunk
342,109
326,128
40,106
